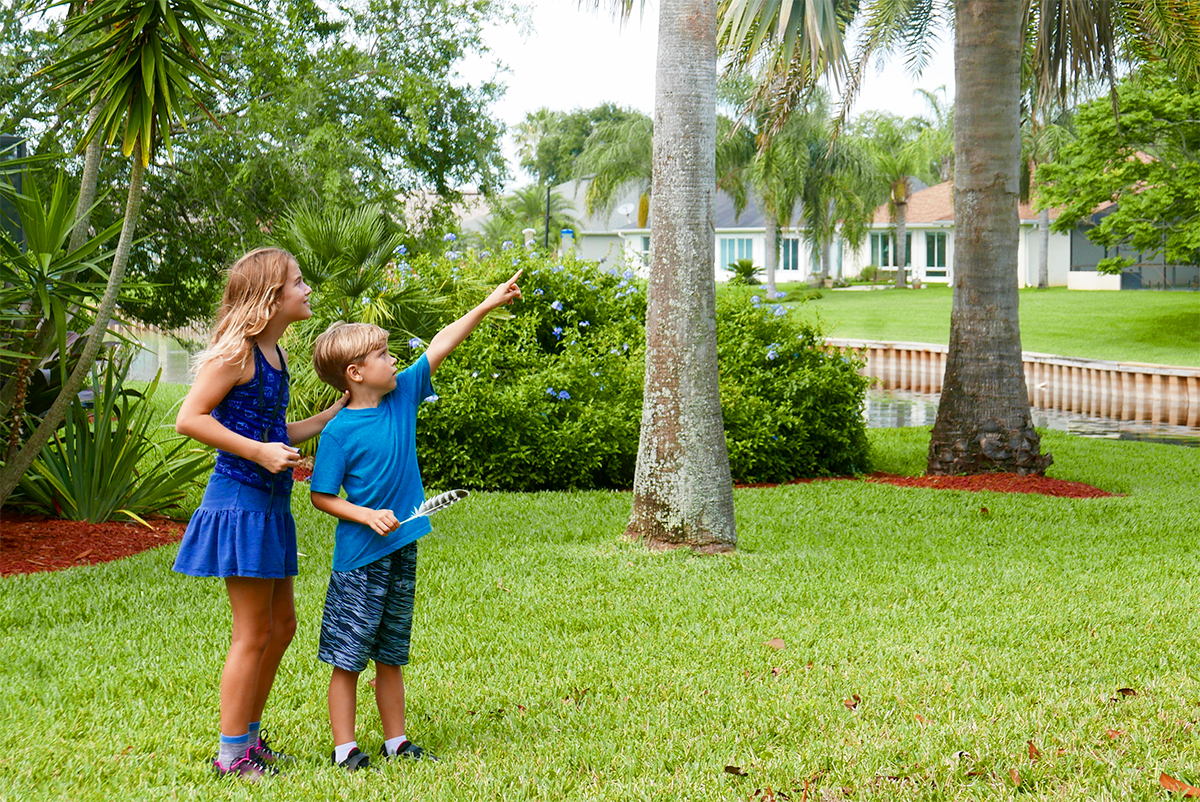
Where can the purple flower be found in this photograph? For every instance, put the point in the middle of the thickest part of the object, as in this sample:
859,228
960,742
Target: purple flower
556,306
449,237
583,323
538,291
402,250
484,254
451,254
504,246
431,398
415,342
563,395
754,299
557,332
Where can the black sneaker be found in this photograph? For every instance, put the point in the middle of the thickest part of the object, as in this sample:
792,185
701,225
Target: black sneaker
357,759
268,755
408,751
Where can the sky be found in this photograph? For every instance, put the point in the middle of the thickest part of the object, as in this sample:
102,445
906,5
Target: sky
567,58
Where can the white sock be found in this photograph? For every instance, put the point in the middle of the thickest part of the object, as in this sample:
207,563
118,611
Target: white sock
392,744
342,751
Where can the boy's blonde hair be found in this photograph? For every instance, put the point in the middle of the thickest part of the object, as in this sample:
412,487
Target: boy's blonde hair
340,346
253,289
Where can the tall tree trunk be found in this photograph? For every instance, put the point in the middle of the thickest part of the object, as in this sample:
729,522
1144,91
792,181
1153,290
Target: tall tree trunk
1043,249
902,242
682,492
983,421
826,256
43,338
771,257
13,470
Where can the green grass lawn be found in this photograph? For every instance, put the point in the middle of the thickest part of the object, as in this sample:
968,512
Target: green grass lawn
1159,327
553,660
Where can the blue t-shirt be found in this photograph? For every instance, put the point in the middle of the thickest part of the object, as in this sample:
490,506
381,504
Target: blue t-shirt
373,454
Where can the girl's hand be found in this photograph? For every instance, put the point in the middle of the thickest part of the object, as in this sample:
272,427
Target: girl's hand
338,405
276,457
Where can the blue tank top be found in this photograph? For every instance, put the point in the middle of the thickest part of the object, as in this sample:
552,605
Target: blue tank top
258,410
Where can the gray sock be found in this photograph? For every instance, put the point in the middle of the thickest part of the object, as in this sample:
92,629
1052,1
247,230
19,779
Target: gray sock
232,749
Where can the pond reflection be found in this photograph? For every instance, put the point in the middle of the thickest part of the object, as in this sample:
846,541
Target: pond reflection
888,409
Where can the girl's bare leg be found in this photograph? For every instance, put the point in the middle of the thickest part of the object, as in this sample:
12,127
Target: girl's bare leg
250,602
283,629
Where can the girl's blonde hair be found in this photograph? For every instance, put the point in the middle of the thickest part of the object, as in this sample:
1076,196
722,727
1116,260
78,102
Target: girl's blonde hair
253,289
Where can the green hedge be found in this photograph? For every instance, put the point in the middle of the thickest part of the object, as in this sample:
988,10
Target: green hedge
550,398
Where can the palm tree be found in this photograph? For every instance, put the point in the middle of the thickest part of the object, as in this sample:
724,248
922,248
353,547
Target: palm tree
146,59
618,156
899,154
983,421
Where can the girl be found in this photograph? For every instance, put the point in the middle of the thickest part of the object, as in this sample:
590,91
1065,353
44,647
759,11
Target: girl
243,530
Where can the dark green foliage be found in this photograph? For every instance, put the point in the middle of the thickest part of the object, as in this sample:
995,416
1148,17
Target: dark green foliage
108,461
744,272
791,408
551,397
548,399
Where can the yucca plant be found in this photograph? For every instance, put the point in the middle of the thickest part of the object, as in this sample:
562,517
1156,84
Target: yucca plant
107,462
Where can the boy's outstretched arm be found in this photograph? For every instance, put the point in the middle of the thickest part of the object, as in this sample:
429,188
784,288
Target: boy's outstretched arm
452,336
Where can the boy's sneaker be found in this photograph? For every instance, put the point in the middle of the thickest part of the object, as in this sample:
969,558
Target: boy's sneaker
266,754
357,759
408,751
249,766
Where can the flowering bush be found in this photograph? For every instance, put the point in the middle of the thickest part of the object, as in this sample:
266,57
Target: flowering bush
551,397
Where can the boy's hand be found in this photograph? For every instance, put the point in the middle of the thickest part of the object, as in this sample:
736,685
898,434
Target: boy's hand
506,293
382,521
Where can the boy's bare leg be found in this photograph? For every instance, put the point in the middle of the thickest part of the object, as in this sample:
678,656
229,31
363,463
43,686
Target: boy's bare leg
343,696
389,698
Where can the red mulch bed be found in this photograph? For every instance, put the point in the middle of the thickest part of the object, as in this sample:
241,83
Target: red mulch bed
32,543
993,482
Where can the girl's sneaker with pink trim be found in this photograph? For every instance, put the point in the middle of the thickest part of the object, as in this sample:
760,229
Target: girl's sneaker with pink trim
266,754
250,767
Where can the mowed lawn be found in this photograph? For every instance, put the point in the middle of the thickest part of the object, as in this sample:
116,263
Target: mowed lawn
925,643
1141,326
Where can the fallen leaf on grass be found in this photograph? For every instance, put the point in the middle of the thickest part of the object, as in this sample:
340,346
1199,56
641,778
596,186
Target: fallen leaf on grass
776,671
1123,692
853,702
736,771
1114,734
1015,776
1175,786
1034,752
984,512
776,643
921,720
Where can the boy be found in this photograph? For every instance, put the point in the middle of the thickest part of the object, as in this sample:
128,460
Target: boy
369,448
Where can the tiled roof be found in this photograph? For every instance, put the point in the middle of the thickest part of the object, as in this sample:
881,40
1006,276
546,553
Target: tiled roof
935,204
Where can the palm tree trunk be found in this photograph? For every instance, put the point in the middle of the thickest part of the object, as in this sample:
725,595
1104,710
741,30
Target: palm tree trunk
43,339
12,471
983,422
902,242
1043,249
771,256
682,492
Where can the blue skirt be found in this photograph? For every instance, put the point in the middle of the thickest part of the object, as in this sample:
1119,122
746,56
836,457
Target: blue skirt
240,530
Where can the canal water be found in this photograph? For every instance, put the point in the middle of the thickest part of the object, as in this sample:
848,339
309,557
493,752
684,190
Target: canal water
884,409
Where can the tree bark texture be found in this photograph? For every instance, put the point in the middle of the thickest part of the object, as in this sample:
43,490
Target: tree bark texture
902,242
983,422
771,257
13,470
1043,249
682,491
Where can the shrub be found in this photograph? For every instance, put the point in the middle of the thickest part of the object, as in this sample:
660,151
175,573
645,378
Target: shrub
108,462
744,272
791,409
551,398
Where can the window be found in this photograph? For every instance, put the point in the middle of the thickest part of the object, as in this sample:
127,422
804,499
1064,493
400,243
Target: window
791,254
935,254
734,248
883,249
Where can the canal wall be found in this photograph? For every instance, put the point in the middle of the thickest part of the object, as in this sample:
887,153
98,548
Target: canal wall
1131,391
